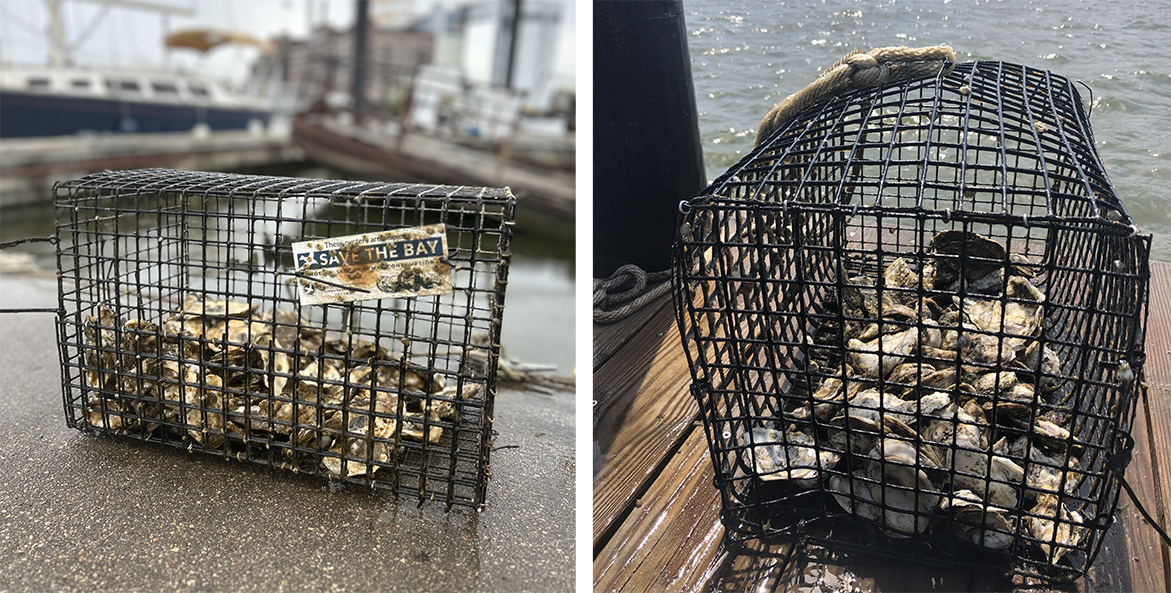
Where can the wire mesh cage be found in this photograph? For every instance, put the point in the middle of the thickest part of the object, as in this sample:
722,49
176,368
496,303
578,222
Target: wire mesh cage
915,316
340,329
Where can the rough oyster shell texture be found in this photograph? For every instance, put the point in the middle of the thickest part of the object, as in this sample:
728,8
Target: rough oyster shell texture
937,408
218,373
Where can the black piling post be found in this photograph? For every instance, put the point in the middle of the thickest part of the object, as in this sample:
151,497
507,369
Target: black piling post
361,24
647,152
513,35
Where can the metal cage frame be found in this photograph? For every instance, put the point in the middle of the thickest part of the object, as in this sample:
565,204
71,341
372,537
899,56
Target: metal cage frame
765,254
180,322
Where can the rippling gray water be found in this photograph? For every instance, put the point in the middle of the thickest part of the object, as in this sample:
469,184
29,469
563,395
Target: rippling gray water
749,55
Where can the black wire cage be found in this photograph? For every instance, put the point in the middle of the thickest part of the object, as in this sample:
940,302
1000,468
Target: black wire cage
340,329
915,316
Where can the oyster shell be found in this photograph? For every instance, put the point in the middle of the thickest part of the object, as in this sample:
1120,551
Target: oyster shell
444,406
1057,528
286,327
875,411
907,373
859,302
1045,364
987,526
994,382
865,358
217,369
206,420
200,305
894,493
105,412
1022,288
1017,321
357,456
941,355
101,356
275,365
984,349
420,426
1045,473
787,455
902,284
967,262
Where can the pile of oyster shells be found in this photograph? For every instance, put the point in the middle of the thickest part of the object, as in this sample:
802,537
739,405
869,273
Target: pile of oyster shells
221,371
944,394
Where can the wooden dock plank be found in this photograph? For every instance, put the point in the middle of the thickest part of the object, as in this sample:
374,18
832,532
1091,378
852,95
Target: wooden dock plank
610,338
644,412
756,565
772,566
1149,469
1158,375
1111,570
1136,562
436,160
670,541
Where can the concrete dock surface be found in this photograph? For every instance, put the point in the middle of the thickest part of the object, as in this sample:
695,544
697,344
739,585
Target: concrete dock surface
85,513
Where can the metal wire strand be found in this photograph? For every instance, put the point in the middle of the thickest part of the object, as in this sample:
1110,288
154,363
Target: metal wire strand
7,244
1143,511
1116,464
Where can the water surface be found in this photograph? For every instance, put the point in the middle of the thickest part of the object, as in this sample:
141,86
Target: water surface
748,56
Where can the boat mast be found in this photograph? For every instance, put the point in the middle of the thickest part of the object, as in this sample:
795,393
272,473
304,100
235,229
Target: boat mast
59,54
59,51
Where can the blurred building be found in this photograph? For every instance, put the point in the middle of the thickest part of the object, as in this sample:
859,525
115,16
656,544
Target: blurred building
477,38
498,44
319,69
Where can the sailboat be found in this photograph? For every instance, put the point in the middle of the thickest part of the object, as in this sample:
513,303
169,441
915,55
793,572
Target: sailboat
61,99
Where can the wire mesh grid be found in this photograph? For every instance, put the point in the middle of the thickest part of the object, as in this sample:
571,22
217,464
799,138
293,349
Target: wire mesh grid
915,315
183,324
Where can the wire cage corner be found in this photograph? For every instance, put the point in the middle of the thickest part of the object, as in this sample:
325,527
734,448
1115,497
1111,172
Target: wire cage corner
339,329
915,315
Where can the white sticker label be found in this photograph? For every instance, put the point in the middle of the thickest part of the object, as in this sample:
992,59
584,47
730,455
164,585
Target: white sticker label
400,263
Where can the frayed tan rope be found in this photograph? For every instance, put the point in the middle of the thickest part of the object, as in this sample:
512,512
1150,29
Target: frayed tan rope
625,292
859,70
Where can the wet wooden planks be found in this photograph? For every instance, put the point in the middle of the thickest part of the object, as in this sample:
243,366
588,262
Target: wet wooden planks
680,507
661,531
1158,372
609,339
644,411
1150,471
1139,562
